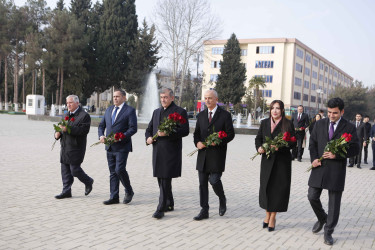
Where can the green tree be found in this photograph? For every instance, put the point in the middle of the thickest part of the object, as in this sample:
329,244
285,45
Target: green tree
118,31
255,84
143,58
354,98
230,83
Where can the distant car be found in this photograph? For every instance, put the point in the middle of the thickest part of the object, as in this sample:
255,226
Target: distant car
191,114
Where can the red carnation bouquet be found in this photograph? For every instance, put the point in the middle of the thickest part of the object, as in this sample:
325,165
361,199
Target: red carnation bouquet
280,141
65,123
169,124
336,147
214,138
111,138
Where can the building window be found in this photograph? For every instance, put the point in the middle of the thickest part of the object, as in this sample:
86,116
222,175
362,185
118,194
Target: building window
315,75
307,71
320,77
299,67
326,68
266,78
263,64
326,79
297,81
308,58
305,97
306,84
243,52
321,66
313,98
319,100
265,49
213,77
334,83
325,90
335,74
297,95
217,50
329,82
299,53
215,64
330,71
315,62
313,86
267,93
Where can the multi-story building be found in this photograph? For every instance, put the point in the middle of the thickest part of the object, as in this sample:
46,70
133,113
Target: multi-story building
293,72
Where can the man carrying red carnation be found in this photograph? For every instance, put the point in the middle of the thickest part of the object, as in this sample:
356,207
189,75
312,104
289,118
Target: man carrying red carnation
330,172
166,148
73,147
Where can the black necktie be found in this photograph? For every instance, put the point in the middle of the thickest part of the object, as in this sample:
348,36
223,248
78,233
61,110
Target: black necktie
210,118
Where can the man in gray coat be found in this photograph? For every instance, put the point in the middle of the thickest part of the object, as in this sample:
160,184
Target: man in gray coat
73,147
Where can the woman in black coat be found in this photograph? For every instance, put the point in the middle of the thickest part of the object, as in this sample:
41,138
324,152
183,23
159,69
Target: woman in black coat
316,118
276,171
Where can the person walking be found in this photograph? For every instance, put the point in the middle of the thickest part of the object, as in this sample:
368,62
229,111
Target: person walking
300,122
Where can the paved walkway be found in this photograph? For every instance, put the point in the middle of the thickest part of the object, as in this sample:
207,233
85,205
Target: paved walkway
31,218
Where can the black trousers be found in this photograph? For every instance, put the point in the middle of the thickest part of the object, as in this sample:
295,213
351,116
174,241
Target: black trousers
215,181
297,151
334,203
68,172
357,159
365,150
166,195
373,153
117,173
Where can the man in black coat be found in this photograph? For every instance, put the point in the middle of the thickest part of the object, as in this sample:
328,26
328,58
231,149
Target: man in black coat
372,135
300,122
118,118
366,121
166,150
73,147
362,134
331,171
211,159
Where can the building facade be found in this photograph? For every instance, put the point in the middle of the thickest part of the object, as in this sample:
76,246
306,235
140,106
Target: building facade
293,72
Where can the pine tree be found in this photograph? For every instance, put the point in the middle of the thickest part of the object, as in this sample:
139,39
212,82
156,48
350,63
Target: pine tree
230,83
118,30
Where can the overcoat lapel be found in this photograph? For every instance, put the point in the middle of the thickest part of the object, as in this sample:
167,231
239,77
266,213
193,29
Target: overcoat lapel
339,128
277,129
216,115
205,119
119,114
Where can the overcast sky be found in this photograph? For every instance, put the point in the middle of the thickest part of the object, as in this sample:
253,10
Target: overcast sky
340,30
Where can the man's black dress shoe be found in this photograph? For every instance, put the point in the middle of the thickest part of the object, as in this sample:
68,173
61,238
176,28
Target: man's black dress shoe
169,208
328,240
223,206
111,201
317,227
128,198
88,188
359,166
365,162
158,214
350,166
64,195
265,225
373,168
202,215
299,160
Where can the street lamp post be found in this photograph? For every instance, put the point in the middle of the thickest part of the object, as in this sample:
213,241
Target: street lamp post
199,60
319,92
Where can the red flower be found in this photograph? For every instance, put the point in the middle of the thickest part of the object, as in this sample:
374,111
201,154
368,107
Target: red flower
287,134
171,116
222,134
117,136
182,120
66,118
72,120
293,139
302,128
122,136
345,135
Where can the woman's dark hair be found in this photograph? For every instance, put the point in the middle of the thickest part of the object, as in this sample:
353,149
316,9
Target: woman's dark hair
285,125
314,119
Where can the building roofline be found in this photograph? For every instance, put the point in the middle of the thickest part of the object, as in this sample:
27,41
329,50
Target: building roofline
279,40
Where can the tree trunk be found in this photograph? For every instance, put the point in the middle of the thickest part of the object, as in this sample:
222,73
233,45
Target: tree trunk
58,84
15,97
32,82
23,80
1,106
6,82
97,103
61,85
44,81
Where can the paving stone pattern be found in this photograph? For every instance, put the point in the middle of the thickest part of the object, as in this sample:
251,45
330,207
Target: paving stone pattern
31,218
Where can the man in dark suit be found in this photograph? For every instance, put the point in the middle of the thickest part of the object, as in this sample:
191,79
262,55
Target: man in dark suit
372,135
167,150
366,123
211,159
330,172
300,122
118,118
73,148
362,134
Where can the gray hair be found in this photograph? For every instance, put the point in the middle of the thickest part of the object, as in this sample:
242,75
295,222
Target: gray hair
75,98
123,93
164,90
213,91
